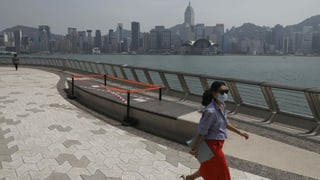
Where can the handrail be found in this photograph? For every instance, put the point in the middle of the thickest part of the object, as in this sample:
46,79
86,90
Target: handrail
272,97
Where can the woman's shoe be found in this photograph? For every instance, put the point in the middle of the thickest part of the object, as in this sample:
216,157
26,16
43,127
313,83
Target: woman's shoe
184,177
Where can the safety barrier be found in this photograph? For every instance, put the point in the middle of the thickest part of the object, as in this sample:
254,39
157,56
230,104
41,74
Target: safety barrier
150,87
297,106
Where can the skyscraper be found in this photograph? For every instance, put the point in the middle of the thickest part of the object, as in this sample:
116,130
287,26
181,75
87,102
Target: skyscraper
160,39
89,37
44,38
98,39
200,31
135,36
120,36
189,16
17,39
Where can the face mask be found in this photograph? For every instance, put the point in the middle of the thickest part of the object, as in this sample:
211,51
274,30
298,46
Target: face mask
223,97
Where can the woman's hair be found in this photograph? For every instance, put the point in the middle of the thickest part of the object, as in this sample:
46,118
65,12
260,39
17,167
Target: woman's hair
216,85
206,97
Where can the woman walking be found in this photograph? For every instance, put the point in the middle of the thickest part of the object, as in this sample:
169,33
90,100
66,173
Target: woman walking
212,129
15,61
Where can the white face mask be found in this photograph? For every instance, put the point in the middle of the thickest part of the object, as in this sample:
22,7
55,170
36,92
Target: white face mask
223,97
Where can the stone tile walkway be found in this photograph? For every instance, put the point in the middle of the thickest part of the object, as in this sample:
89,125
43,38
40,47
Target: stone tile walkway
43,136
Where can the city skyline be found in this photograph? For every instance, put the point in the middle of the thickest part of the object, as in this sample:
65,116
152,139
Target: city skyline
105,15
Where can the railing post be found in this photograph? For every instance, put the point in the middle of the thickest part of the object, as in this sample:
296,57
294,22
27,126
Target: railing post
164,80
314,104
204,83
183,84
135,76
148,77
235,94
271,102
114,71
105,79
72,89
123,72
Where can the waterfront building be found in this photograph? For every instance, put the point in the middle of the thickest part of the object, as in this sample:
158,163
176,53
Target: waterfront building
219,35
146,42
306,44
89,40
200,31
160,39
17,39
98,39
119,36
189,16
72,36
135,36
82,41
44,38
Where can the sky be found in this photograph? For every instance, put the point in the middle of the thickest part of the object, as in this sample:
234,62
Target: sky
106,14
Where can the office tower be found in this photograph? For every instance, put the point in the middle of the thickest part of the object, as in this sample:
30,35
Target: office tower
98,39
89,34
72,36
17,39
146,42
200,31
81,41
306,44
219,33
119,36
189,16
135,36
44,38
160,39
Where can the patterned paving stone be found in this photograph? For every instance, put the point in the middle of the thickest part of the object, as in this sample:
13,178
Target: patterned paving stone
11,93
100,131
98,175
8,101
74,162
3,97
68,143
9,121
35,110
60,128
23,115
31,103
5,152
58,176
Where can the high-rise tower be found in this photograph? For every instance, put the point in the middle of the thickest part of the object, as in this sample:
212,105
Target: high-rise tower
189,16
135,36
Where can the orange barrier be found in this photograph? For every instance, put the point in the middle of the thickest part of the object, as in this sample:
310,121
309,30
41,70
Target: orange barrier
152,86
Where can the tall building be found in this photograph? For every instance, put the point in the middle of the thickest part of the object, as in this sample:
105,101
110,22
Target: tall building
44,38
200,31
98,39
119,36
306,44
146,42
135,36
219,33
81,41
89,39
17,39
189,16
160,39
72,36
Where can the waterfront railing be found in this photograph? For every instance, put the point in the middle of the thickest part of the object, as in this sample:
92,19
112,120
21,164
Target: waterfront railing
275,99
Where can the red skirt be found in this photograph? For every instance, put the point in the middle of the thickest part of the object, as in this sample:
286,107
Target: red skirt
216,168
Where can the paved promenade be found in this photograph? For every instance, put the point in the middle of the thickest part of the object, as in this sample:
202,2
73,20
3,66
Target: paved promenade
43,136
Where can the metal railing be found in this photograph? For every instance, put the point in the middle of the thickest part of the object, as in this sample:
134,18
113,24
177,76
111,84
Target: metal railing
273,98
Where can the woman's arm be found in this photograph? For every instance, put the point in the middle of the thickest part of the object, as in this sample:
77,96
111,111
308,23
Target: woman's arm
234,129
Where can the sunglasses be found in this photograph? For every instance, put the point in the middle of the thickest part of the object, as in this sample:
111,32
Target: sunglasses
223,92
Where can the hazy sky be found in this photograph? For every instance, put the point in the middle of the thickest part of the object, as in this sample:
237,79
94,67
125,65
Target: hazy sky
106,14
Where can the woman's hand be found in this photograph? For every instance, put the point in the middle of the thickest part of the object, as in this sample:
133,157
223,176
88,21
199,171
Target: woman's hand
193,152
245,135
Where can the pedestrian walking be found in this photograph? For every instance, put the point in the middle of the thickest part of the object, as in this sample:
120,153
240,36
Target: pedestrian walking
212,129
15,61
